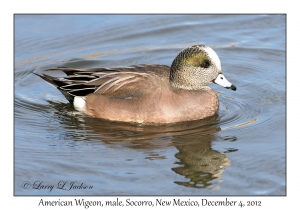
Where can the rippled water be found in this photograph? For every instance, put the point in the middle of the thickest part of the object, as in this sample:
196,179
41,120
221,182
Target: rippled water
239,151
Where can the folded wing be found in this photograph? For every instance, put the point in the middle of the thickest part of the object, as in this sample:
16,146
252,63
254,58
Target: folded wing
121,82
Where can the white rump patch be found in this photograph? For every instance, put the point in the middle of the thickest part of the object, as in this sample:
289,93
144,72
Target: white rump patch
79,103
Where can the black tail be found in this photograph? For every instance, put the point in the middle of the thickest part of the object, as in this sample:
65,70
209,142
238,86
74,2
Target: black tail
49,79
67,87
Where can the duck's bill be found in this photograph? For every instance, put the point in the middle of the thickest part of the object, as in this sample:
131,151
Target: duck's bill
221,80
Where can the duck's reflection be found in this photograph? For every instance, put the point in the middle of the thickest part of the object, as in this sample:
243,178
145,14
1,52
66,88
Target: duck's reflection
197,162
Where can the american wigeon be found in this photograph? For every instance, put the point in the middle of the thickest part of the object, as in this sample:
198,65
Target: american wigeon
147,93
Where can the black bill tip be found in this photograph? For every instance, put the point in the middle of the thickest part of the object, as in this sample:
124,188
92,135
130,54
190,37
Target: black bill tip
232,87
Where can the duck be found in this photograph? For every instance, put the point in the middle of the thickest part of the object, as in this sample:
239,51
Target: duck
147,93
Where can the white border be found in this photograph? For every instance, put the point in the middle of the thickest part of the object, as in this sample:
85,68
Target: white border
112,6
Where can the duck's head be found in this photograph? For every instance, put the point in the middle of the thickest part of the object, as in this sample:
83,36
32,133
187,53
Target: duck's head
196,67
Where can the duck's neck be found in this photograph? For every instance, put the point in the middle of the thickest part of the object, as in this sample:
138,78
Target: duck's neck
186,79
184,87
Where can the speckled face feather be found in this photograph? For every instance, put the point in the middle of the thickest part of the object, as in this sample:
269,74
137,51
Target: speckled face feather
194,68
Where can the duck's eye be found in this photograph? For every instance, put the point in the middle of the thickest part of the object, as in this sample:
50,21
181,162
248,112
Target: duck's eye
205,64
